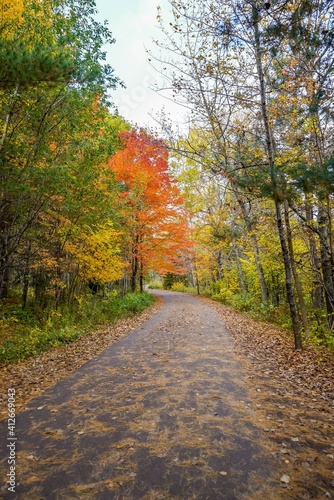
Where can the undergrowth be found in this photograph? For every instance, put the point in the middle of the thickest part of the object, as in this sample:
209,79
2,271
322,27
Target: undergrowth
155,285
23,333
277,315
181,287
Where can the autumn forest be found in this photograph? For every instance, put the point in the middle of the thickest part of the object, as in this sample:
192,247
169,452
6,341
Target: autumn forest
235,204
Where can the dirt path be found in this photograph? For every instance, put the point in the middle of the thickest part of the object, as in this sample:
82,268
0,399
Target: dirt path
164,413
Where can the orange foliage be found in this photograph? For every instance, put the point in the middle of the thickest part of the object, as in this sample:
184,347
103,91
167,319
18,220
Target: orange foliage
151,204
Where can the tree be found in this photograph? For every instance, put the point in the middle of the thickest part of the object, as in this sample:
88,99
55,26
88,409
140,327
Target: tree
151,206
50,114
53,42
258,77
229,64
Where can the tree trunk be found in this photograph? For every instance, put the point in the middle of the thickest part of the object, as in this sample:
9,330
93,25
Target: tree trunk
273,176
259,268
4,281
25,290
220,265
288,279
40,284
326,265
6,254
141,279
26,277
317,280
134,274
295,273
196,278
72,286
241,274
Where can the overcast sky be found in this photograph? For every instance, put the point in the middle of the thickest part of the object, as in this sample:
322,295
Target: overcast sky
134,25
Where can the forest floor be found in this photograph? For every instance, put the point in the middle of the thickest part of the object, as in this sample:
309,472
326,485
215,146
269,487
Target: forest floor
293,393
283,403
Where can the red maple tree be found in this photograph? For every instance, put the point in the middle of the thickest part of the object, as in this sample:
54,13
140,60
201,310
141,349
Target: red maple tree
152,207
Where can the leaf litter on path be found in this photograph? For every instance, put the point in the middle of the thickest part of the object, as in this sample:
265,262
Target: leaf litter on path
32,376
292,392
293,401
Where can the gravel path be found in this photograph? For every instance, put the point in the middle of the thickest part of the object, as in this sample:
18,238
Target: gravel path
164,413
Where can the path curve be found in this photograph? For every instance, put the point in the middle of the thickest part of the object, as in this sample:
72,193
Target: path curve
163,413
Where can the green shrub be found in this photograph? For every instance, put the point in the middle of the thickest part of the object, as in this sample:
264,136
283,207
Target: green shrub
16,311
181,287
242,302
170,279
136,303
224,296
155,285
24,340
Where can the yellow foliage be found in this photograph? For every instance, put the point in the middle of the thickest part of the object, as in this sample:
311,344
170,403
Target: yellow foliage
10,10
98,255
27,21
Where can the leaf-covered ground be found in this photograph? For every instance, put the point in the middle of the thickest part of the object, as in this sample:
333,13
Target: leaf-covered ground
161,414
294,396
291,396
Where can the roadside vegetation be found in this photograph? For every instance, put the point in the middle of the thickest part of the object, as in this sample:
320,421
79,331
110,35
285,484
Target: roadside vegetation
29,332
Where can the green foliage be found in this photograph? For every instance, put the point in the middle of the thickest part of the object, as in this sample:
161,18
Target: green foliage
322,337
24,66
222,292
278,315
170,279
320,334
56,138
22,335
134,303
319,178
178,286
242,302
155,284
273,162
55,44
16,313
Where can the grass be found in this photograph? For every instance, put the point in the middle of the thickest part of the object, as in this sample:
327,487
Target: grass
23,334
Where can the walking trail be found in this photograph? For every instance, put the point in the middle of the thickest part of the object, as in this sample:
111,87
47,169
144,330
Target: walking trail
164,413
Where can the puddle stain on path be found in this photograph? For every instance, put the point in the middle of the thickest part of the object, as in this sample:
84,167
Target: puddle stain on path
163,413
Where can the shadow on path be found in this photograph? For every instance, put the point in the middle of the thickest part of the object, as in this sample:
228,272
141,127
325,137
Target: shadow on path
161,414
